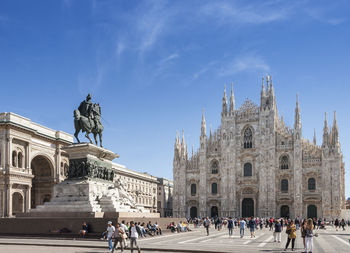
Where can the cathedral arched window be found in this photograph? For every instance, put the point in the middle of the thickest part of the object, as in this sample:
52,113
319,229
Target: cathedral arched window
215,167
20,160
284,163
248,138
14,158
284,185
248,170
214,188
193,189
311,184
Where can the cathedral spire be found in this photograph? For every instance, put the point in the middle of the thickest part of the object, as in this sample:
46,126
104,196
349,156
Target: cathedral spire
272,90
262,87
314,140
183,143
267,83
224,104
232,101
325,131
297,121
335,134
203,125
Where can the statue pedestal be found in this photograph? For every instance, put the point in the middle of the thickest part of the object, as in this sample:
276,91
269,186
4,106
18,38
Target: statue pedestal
89,186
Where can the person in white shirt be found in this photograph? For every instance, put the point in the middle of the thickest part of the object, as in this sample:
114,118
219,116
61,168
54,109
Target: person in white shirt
134,234
126,229
110,233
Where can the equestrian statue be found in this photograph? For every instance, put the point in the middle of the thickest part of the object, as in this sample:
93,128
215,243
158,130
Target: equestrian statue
87,118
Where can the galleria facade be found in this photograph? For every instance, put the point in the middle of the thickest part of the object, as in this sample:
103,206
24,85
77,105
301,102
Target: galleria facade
32,162
254,165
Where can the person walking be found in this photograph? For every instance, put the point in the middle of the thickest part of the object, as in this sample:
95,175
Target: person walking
342,224
252,225
336,224
230,226
134,235
291,231
242,225
118,237
303,231
110,234
206,224
278,231
125,235
309,236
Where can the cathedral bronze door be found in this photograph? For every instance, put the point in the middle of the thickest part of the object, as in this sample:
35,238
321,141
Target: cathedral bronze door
193,212
247,208
285,212
214,211
312,211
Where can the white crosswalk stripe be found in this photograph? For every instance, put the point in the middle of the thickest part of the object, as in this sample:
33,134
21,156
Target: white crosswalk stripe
341,240
265,241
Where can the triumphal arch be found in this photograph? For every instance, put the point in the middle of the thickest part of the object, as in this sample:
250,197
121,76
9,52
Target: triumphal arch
31,162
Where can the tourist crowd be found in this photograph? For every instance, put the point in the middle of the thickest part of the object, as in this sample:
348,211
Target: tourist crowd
276,226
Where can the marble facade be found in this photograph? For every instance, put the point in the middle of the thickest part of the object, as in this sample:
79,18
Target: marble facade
255,165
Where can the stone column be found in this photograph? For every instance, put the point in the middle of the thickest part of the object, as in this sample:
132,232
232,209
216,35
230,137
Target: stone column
8,152
27,198
2,202
9,200
28,156
58,163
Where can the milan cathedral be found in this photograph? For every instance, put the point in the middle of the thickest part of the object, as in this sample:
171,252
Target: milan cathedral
254,165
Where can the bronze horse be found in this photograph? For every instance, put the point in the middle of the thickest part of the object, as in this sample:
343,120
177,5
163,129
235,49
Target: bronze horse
89,124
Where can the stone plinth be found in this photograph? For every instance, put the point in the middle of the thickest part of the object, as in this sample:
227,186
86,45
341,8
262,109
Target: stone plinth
90,185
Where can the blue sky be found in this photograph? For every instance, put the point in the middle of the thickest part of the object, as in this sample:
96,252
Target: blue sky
154,65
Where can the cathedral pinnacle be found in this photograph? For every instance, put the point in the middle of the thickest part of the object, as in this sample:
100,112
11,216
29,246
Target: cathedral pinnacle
325,131
203,125
262,87
224,104
272,90
232,101
335,134
267,83
314,141
297,121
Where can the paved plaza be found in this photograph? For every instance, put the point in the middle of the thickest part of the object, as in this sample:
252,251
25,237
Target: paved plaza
328,241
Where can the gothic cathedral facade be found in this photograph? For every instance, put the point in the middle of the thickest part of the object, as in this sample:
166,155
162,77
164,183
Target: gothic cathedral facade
254,165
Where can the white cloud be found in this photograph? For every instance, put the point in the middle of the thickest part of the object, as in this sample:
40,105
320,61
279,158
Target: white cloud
208,67
322,15
164,64
169,58
230,12
244,64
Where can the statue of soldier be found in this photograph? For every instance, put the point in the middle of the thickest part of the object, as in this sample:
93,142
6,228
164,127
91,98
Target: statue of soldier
87,118
85,107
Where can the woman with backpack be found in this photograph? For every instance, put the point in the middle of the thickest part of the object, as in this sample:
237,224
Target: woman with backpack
309,236
291,231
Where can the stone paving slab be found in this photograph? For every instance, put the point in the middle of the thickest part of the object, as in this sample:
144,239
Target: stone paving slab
328,241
